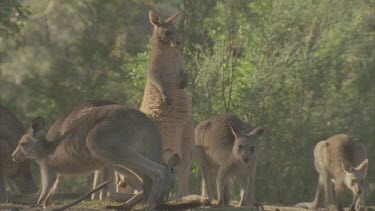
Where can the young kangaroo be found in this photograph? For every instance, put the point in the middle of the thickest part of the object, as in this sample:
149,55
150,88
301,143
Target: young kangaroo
99,137
166,98
16,175
343,162
225,146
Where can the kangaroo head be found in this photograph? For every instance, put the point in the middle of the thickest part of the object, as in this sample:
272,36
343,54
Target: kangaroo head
245,144
32,143
164,30
355,176
167,183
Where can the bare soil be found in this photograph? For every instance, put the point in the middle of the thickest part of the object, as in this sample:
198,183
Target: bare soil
94,205
61,199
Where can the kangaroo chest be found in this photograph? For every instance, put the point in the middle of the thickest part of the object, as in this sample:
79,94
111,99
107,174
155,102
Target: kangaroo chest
167,64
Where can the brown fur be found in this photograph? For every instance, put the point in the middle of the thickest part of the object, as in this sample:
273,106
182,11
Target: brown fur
343,162
98,137
224,147
166,98
16,175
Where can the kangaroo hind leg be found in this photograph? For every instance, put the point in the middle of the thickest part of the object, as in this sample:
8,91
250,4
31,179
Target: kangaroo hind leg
124,157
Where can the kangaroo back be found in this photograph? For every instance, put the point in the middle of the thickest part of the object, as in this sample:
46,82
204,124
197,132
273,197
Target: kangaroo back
338,150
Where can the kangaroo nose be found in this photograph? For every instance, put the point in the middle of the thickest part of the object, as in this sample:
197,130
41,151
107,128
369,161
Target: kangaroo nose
178,43
246,160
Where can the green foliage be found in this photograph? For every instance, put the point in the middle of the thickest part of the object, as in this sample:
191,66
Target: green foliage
296,73
304,70
12,17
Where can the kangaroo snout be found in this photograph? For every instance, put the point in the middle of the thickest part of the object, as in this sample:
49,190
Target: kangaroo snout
17,156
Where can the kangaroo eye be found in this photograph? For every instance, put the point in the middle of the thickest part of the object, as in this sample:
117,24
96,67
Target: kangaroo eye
167,32
252,149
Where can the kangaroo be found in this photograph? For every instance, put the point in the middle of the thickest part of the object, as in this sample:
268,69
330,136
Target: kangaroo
166,98
343,162
225,146
98,137
16,175
108,172
58,128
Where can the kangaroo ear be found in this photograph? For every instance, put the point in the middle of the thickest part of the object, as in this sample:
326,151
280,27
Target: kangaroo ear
362,165
235,131
173,161
257,132
155,18
347,168
38,125
173,19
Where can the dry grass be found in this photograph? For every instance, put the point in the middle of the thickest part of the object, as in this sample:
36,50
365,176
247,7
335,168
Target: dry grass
94,205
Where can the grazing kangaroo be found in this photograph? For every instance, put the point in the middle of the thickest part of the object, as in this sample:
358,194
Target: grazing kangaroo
108,172
16,175
224,147
98,137
343,162
58,128
166,98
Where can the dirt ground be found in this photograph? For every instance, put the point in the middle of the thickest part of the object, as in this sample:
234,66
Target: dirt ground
93,205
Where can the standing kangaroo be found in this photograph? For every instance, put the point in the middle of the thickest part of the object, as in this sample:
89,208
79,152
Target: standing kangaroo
166,98
225,146
343,162
16,175
99,137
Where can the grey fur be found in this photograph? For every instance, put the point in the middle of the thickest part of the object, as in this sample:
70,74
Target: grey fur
224,147
109,172
331,158
94,138
58,128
